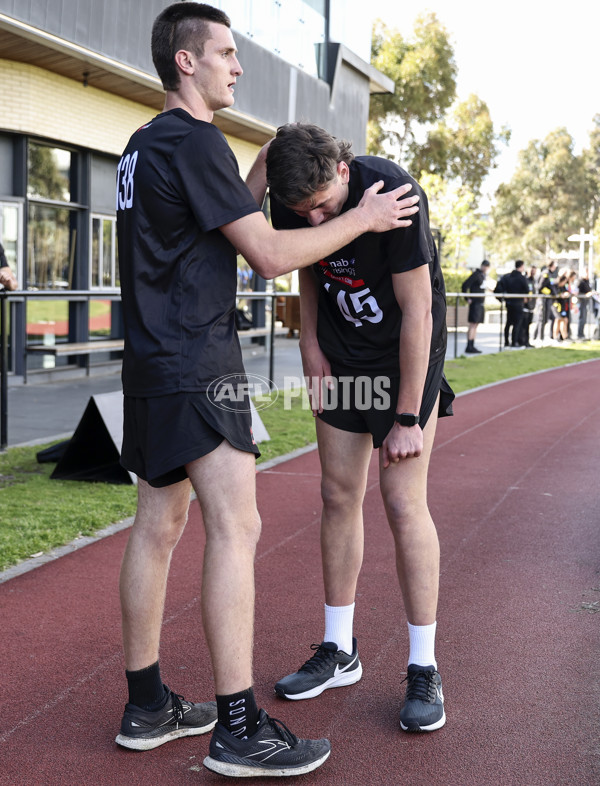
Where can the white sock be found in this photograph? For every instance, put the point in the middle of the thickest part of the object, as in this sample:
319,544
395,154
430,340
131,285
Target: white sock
338,626
422,644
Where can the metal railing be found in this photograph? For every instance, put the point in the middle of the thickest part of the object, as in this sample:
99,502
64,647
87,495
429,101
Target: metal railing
453,300
270,298
7,297
270,336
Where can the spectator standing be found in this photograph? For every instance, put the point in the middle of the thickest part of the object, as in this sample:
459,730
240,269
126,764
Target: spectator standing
475,285
572,285
584,293
545,310
529,307
7,277
514,283
561,307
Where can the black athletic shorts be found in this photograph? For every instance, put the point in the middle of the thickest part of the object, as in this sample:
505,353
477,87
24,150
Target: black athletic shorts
164,433
476,313
364,403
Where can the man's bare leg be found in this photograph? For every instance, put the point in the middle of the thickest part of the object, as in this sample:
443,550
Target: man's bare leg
225,484
404,492
153,715
159,522
232,529
345,460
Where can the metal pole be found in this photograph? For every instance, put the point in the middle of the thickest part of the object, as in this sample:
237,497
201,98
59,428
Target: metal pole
456,326
272,347
3,373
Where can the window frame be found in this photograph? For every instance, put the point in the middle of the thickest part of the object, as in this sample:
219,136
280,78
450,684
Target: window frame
20,239
74,207
114,286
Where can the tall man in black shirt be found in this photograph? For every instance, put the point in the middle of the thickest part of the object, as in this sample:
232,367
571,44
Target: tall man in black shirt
182,211
373,341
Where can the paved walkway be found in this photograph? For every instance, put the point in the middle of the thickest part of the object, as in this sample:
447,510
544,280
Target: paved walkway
514,491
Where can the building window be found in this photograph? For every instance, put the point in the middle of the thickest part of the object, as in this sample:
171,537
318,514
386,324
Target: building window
49,172
294,29
52,216
51,239
104,269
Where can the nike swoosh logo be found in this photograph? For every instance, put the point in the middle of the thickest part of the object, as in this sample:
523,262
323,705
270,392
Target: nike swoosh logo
339,670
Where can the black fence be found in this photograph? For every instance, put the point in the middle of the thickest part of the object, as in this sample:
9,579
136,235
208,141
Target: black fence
262,328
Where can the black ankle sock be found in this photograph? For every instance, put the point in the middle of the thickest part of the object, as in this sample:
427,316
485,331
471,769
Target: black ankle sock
238,713
146,689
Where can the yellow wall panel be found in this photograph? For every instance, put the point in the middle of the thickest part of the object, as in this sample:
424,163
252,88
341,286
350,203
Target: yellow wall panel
48,105
45,104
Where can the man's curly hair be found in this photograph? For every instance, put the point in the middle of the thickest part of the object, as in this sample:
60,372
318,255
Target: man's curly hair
302,160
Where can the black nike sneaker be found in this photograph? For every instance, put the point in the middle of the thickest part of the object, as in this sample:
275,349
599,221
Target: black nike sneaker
328,668
423,708
272,752
142,730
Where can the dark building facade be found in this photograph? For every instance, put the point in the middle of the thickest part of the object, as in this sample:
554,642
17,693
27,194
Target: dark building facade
77,78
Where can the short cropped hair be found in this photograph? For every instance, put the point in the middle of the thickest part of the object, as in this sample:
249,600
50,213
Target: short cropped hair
519,264
183,25
302,160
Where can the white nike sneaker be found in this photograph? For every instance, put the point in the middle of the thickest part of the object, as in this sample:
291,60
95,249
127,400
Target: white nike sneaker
328,668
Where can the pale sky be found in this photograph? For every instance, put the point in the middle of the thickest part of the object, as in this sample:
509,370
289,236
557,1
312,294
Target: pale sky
535,63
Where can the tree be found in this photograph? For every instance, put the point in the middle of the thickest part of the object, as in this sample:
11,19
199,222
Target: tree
546,200
591,164
424,72
464,147
452,212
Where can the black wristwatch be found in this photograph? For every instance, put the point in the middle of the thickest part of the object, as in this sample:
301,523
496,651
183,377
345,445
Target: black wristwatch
407,419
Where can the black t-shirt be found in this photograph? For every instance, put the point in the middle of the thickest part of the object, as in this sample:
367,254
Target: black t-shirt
474,284
177,182
515,283
359,318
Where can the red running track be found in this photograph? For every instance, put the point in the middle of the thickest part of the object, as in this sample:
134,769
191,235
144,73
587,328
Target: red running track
514,491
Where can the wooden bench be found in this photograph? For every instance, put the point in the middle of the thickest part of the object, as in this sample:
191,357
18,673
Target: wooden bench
86,348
